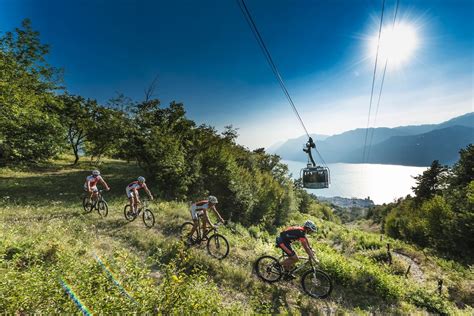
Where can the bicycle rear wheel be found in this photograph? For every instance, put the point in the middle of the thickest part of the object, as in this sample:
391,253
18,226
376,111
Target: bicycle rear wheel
316,283
148,218
185,231
129,215
218,246
268,269
102,208
86,204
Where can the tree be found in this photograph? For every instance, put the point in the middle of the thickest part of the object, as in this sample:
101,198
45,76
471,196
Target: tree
77,116
431,182
30,129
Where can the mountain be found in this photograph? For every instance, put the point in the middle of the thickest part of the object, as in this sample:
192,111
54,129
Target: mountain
290,144
419,150
349,146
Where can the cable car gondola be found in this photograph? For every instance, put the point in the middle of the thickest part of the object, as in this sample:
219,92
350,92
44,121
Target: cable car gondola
313,176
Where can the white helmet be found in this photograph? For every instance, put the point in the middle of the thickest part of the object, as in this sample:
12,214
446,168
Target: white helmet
212,199
95,172
309,224
141,179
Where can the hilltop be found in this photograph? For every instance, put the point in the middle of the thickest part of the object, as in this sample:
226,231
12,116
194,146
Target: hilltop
46,236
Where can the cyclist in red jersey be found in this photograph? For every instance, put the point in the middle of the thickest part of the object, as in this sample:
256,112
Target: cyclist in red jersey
288,236
199,209
132,192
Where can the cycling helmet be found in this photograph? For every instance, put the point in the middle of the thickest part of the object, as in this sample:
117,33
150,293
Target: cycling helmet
141,179
95,172
212,199
309,224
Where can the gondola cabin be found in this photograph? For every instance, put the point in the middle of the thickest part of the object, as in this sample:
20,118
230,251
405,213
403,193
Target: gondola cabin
315,177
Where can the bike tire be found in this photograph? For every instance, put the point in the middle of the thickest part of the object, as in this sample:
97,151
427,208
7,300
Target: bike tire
268,269
86,204
102,208
148,218
217,246
319,288
129,216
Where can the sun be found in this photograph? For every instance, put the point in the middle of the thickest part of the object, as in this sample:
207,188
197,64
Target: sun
397,43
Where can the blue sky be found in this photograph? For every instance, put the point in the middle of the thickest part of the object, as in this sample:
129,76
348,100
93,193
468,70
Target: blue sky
206,57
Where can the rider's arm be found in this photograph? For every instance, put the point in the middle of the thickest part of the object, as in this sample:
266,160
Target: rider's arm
148,192
105,184
89,186
307,248
217,213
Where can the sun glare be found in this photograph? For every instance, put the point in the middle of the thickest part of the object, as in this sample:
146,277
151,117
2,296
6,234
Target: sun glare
397,43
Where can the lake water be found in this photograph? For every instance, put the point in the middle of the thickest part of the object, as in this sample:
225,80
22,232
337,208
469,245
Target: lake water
382,183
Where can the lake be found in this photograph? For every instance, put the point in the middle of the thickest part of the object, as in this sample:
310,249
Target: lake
382,183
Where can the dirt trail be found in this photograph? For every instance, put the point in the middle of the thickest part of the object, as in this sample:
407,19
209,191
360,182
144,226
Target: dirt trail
415,269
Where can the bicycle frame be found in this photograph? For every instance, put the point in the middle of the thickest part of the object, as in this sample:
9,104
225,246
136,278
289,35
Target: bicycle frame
213,229
298,267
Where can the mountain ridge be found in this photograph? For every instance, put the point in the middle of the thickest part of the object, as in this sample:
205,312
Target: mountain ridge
348,146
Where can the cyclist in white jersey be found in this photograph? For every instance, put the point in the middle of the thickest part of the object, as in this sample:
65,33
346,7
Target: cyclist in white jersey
132,192
199,209
90,185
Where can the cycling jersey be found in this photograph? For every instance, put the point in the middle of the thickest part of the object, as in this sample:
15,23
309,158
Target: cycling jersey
288,236
135,185
198,208
92,182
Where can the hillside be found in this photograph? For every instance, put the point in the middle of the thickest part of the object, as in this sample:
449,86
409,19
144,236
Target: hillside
46,237
348,146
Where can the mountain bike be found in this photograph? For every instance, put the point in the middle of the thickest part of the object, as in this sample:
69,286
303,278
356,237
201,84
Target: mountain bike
217,245
99,204
316,283
148,217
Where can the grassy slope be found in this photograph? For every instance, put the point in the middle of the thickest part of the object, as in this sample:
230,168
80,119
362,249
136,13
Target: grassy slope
45,236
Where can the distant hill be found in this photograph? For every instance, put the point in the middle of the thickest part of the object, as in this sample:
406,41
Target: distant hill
416,145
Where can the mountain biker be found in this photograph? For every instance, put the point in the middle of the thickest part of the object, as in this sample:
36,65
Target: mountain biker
90,185
199,209
287,237
132,192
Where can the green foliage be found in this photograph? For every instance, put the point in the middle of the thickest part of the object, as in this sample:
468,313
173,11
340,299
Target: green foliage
442,215
30,129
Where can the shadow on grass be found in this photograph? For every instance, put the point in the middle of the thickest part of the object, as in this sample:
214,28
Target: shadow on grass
59,183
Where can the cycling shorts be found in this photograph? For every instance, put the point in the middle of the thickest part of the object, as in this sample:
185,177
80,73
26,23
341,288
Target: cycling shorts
93,188
285,246
130,192
196,212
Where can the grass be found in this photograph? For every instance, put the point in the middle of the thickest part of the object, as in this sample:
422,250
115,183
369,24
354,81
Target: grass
46,237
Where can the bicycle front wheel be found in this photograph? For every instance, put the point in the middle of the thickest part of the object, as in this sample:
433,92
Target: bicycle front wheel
87,204
127,212
102,208
268,269
218,246
316,283
148,218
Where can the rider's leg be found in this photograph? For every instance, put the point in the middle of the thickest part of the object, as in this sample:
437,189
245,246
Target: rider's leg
204,221
132,203
289,262
292,256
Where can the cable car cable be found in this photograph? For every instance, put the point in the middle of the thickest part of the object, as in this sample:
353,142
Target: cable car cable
381,87
373,81
318,176
253,27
